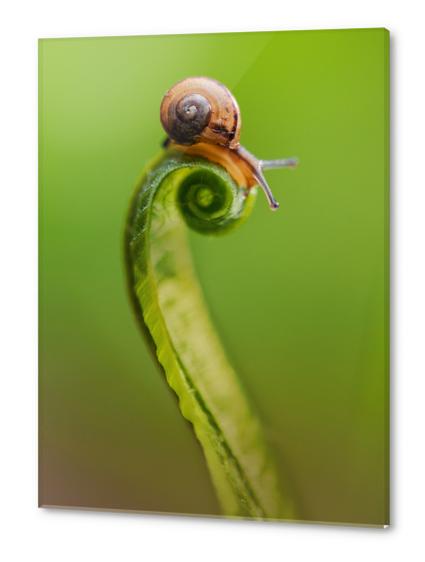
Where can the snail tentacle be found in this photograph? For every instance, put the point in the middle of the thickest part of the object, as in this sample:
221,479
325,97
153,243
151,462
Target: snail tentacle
279,163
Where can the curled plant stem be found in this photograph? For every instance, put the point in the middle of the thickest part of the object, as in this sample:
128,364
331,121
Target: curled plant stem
175,192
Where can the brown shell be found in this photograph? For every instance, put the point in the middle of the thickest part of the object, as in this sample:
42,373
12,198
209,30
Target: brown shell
200,109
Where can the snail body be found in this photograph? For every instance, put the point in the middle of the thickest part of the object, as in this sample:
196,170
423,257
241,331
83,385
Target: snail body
202,118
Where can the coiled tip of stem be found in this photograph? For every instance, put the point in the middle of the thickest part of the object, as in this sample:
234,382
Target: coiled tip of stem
210,201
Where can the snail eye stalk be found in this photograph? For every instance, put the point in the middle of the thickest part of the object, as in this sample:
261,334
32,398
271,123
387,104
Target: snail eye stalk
258,166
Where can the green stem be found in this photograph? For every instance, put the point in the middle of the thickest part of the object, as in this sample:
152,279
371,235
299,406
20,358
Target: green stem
172,312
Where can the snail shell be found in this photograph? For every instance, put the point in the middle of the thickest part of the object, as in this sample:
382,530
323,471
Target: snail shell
200,109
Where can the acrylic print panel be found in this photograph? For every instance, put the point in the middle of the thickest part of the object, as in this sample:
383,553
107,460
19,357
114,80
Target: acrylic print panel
199,353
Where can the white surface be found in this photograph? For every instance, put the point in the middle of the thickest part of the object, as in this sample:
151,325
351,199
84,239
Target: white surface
32,534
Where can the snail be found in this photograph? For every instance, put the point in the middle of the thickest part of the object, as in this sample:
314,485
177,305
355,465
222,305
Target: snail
202,118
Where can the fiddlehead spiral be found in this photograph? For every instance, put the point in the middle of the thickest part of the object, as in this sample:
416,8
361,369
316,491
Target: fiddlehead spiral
179,189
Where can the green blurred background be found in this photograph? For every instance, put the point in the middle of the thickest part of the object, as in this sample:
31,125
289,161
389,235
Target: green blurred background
300,296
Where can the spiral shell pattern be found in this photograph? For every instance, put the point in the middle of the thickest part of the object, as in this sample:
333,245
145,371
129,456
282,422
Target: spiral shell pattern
200,109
